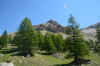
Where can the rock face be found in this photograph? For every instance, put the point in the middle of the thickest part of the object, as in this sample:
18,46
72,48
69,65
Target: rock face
90,31
51,26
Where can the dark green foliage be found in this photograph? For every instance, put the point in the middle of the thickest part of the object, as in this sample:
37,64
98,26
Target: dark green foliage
53,36
76,44
65,45
49,45
90,43
17,40
96,47
26,37
59,43
0,43
4,39
10,38
40,40
97,43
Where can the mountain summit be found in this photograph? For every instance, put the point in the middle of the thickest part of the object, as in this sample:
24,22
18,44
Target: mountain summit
51,26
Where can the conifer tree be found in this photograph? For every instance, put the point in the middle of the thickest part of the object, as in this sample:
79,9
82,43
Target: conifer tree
65,46
59,43
49,45
4,39
97,46
10,38
53,36
76,44
0,43
26,38
40,40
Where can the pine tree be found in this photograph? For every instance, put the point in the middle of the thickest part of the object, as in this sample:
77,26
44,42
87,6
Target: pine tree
76,44
40,40
49,45
26,37
4,39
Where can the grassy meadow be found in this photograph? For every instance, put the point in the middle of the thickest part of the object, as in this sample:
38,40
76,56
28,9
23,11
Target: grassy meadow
42,59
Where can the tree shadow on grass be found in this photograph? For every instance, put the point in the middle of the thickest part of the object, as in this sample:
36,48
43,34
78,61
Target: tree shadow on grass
19,54
44,53
74,63
7,51
69,64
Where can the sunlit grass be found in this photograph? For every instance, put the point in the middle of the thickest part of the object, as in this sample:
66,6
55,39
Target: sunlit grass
40,59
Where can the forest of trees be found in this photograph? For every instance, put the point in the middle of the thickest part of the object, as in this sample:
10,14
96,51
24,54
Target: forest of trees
28,40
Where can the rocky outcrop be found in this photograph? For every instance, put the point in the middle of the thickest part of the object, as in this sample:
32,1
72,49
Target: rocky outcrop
6,64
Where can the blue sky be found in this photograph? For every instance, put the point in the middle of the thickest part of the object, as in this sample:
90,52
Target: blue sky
12,12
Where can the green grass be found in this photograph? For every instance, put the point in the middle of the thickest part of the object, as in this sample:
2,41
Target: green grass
94,57
40,59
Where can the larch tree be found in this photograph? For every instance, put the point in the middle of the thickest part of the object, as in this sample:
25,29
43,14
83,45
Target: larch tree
4,39
10,38
26,38
49,45
97,43
0,43
40,40
59,43
76,44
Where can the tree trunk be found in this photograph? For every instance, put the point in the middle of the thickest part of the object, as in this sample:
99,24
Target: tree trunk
75,57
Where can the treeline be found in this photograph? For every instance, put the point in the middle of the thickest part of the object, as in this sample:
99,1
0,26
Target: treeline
29,40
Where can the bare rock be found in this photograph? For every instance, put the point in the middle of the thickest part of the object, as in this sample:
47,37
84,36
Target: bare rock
28,55
6,64
20,61
57,55
22,57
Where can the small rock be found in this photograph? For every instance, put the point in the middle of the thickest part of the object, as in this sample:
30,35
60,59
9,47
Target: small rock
42,60
22,57
20,61
6,64
90,62
28,55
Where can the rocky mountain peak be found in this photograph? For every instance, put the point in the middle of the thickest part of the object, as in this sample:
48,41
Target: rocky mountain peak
51,26
52,22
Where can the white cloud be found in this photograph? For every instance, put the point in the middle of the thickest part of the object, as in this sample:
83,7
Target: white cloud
64,6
